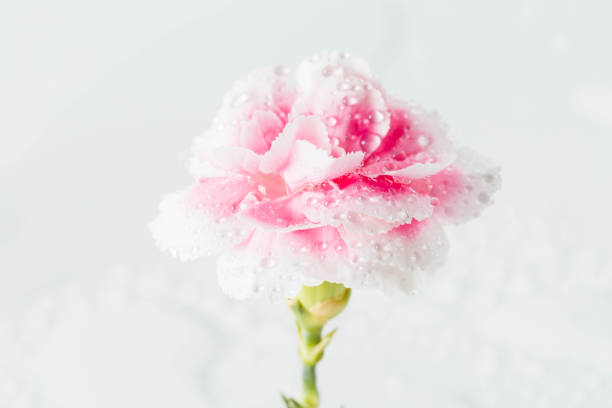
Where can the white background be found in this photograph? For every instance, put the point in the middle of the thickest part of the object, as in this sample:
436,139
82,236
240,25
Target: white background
99,103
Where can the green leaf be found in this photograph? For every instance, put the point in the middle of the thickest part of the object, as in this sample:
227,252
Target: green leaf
291,403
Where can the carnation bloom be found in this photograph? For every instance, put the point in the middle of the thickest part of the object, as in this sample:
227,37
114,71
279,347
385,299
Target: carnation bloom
330,179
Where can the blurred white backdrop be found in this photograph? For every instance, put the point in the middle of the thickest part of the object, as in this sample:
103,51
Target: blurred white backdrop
100,102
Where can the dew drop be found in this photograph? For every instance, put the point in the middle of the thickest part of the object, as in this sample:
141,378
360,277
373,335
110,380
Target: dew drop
344,86
240,99
483,198
420,157
312,201
332,121
422,140
268,263
327,71
281,70
369,143
435,201
378,116
351,100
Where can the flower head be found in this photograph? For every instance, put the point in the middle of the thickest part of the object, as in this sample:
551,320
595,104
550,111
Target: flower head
328,180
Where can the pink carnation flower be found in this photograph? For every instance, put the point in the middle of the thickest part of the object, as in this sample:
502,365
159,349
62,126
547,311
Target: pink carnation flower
327,180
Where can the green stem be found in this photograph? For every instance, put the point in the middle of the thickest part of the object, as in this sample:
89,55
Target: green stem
313,307
310,394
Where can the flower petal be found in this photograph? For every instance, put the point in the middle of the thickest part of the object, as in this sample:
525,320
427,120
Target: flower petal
415,136
366,205
309,129
466,188
258,133
341,90
190,232
276,264
398,259
265,90
277,214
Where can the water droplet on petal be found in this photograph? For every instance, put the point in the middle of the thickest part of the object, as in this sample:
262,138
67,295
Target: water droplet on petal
332,121
483,198
344,86
281,70
351,100
268,263
240,99
420,157
327,71
434,201
423,140
378,116
369,143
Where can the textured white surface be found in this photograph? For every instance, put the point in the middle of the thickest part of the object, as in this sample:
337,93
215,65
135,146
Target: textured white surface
101,103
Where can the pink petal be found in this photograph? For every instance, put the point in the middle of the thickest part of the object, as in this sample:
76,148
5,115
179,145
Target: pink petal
320,242
414,137
308,129
350,102
219,196
466,188
413,167
259,132
370,205
277,214
344,165
307,165
190,232
264,90
399,258
312,130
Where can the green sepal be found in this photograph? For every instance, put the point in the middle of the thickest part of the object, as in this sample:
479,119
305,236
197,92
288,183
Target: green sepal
312,354
291,403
